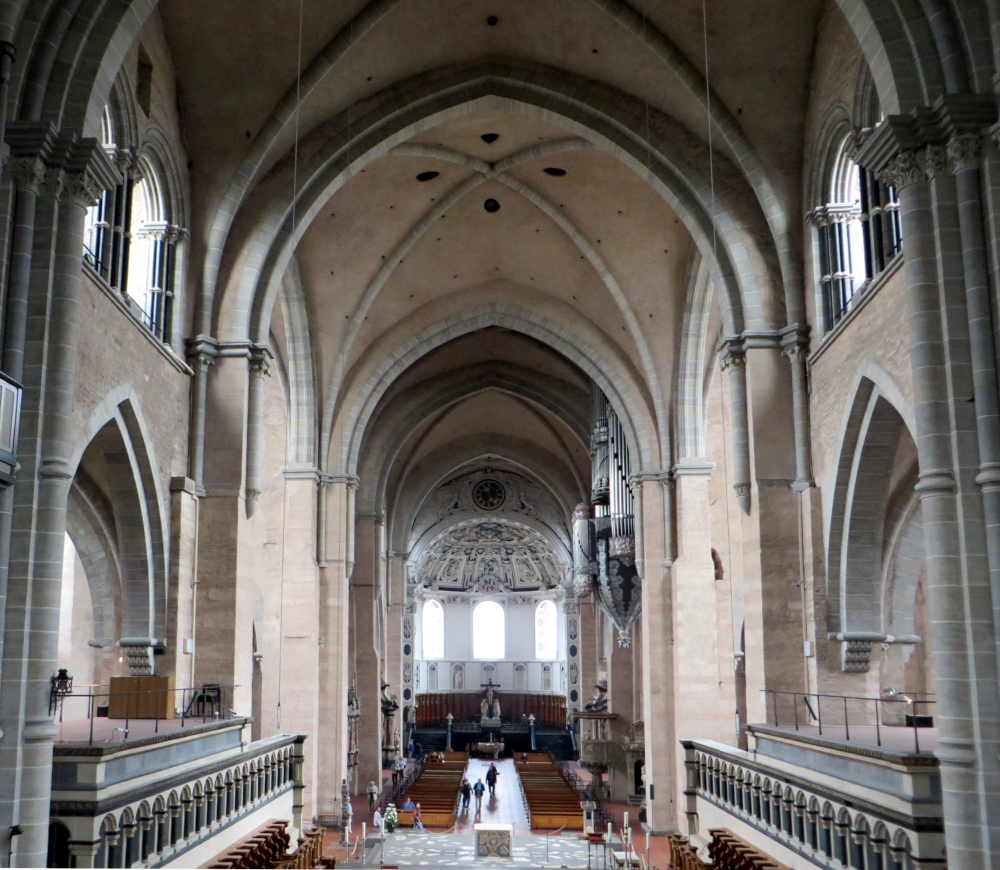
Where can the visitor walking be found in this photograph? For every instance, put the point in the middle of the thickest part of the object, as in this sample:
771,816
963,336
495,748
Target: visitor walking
377,820
479,789
418,821
466,794
409,748
491,779
372,796
398,766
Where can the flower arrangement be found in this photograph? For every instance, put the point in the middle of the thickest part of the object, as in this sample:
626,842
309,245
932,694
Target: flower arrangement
391,819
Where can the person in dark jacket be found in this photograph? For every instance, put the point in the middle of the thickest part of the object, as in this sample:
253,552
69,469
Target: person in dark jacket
478,789
466,791
491,779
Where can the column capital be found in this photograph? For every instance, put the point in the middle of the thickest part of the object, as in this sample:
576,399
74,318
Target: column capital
896,149
201,352
732,354
693,465
28,173
260,360
80,189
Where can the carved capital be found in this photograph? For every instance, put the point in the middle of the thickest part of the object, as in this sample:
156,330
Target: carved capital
260,362
80,189
201,361
902,171
28,173
965,151
934,161
733,360
52,183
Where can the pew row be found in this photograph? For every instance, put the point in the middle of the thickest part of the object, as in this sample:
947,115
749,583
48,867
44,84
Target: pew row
552,802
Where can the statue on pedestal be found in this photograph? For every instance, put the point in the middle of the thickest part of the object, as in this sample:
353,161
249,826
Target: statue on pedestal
599,702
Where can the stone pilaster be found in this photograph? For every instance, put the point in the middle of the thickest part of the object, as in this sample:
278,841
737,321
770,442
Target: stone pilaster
259,368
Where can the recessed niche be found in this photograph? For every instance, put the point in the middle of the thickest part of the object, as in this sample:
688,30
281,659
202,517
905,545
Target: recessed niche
490,138
492,21
406,649
572,650
555,170
574,696
407,694
431,174
491,205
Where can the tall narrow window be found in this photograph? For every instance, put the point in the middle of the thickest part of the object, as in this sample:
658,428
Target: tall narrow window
489,631
150,259
546,634
432,630
857,233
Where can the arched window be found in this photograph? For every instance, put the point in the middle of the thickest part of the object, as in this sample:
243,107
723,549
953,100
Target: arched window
432,629
151,253
858,232
546,630
489,631
97,235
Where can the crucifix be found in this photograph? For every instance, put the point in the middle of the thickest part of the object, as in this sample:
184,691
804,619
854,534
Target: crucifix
491,705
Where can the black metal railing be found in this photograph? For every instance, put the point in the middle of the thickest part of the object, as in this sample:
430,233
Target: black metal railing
909,711
209,703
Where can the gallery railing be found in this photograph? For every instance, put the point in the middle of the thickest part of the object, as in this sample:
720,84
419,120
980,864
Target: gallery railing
207,703
839,713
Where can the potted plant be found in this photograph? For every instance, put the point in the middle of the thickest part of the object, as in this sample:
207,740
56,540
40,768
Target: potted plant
391,819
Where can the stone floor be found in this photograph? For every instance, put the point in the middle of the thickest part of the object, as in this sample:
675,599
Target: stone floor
409,849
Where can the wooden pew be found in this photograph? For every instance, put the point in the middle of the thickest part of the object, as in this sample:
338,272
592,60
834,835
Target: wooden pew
728,850
552,802
308,854
261,848
436,790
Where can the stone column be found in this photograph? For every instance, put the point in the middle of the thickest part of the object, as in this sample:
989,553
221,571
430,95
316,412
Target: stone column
657,661
964,154
260,366
733,360
84,854
958,583
770,534
39,522
181,592
337,540
201,354
301,630
701,708
366,655
226,555
28,173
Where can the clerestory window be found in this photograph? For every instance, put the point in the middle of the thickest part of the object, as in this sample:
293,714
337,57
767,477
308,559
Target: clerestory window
546,630
489,631
432,630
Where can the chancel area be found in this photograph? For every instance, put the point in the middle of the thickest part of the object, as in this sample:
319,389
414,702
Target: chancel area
464,433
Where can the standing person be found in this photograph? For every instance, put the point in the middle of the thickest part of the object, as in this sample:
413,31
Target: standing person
409,748
479,789
491,779
466,790
419,750
377,820
418,821
350,818
372,796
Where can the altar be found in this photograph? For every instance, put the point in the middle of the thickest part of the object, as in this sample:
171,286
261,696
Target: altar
494,841
487,747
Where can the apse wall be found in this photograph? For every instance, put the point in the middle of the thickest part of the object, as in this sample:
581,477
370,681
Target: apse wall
518,670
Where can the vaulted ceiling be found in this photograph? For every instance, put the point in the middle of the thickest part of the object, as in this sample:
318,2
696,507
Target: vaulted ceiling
479,230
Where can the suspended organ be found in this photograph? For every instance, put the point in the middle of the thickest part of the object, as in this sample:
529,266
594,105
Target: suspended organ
604,534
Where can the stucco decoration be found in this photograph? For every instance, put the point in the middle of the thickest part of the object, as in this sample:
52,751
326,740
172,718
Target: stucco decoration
489,558
494,494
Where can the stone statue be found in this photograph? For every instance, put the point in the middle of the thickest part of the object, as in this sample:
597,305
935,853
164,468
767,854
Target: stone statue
458,679
490,705
353,702
599,702
389,703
